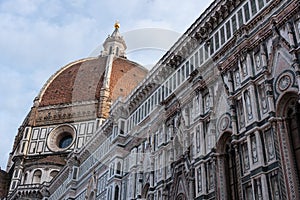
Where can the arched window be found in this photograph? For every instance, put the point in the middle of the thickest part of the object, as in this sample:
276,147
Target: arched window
289,128
53,174
229,175
117,51
181,196
92,196
37,175
119,168
117,192
110,50
145,191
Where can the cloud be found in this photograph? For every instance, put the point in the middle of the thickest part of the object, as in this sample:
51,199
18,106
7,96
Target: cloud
39,37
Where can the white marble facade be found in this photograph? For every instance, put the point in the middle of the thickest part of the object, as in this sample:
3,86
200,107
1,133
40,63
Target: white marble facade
223,124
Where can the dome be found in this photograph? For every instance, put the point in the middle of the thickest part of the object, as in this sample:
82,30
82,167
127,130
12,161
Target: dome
82,81
74,102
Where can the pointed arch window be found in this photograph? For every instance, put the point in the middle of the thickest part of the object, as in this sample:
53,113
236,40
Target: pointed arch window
53,173
119,168
117,191
117,51
37,175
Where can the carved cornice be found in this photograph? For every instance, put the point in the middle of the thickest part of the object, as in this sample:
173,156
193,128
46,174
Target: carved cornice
255,39
196,34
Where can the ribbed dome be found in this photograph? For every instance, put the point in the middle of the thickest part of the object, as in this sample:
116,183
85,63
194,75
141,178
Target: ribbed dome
82,81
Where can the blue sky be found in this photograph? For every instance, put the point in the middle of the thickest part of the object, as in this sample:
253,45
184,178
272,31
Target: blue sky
38,37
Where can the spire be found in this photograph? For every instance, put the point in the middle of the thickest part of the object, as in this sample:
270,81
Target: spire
114,43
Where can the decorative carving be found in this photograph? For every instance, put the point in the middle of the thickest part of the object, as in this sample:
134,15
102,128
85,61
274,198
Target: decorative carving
181,197
241,116
224,123
248,104
249,192
211,173
206,99
244,68
274,187
237,78
246,165
270,145
263,97
199,181
180,127
258,63
254,150
258,189
284,82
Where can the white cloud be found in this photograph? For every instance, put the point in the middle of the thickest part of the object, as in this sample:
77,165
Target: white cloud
39,37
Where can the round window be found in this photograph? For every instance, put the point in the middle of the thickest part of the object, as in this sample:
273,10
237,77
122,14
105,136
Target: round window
65,141
61,138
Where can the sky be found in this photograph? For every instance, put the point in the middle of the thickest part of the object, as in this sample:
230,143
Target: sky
38,37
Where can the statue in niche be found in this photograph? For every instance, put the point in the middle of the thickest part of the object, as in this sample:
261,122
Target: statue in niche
254,150
207,102
199,180
211,176
248,104
259,189
257,61
246,157
180,136
241,113
237,78
249,192
263,97
168,132
160,134
271,153
275,189
244,68
246,161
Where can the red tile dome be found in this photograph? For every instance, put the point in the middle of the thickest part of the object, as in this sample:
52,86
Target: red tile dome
82,81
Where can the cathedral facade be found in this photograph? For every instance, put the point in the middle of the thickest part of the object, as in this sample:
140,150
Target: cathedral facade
218,117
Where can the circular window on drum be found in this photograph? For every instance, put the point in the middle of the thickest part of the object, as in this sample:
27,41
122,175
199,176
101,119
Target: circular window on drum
61,138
